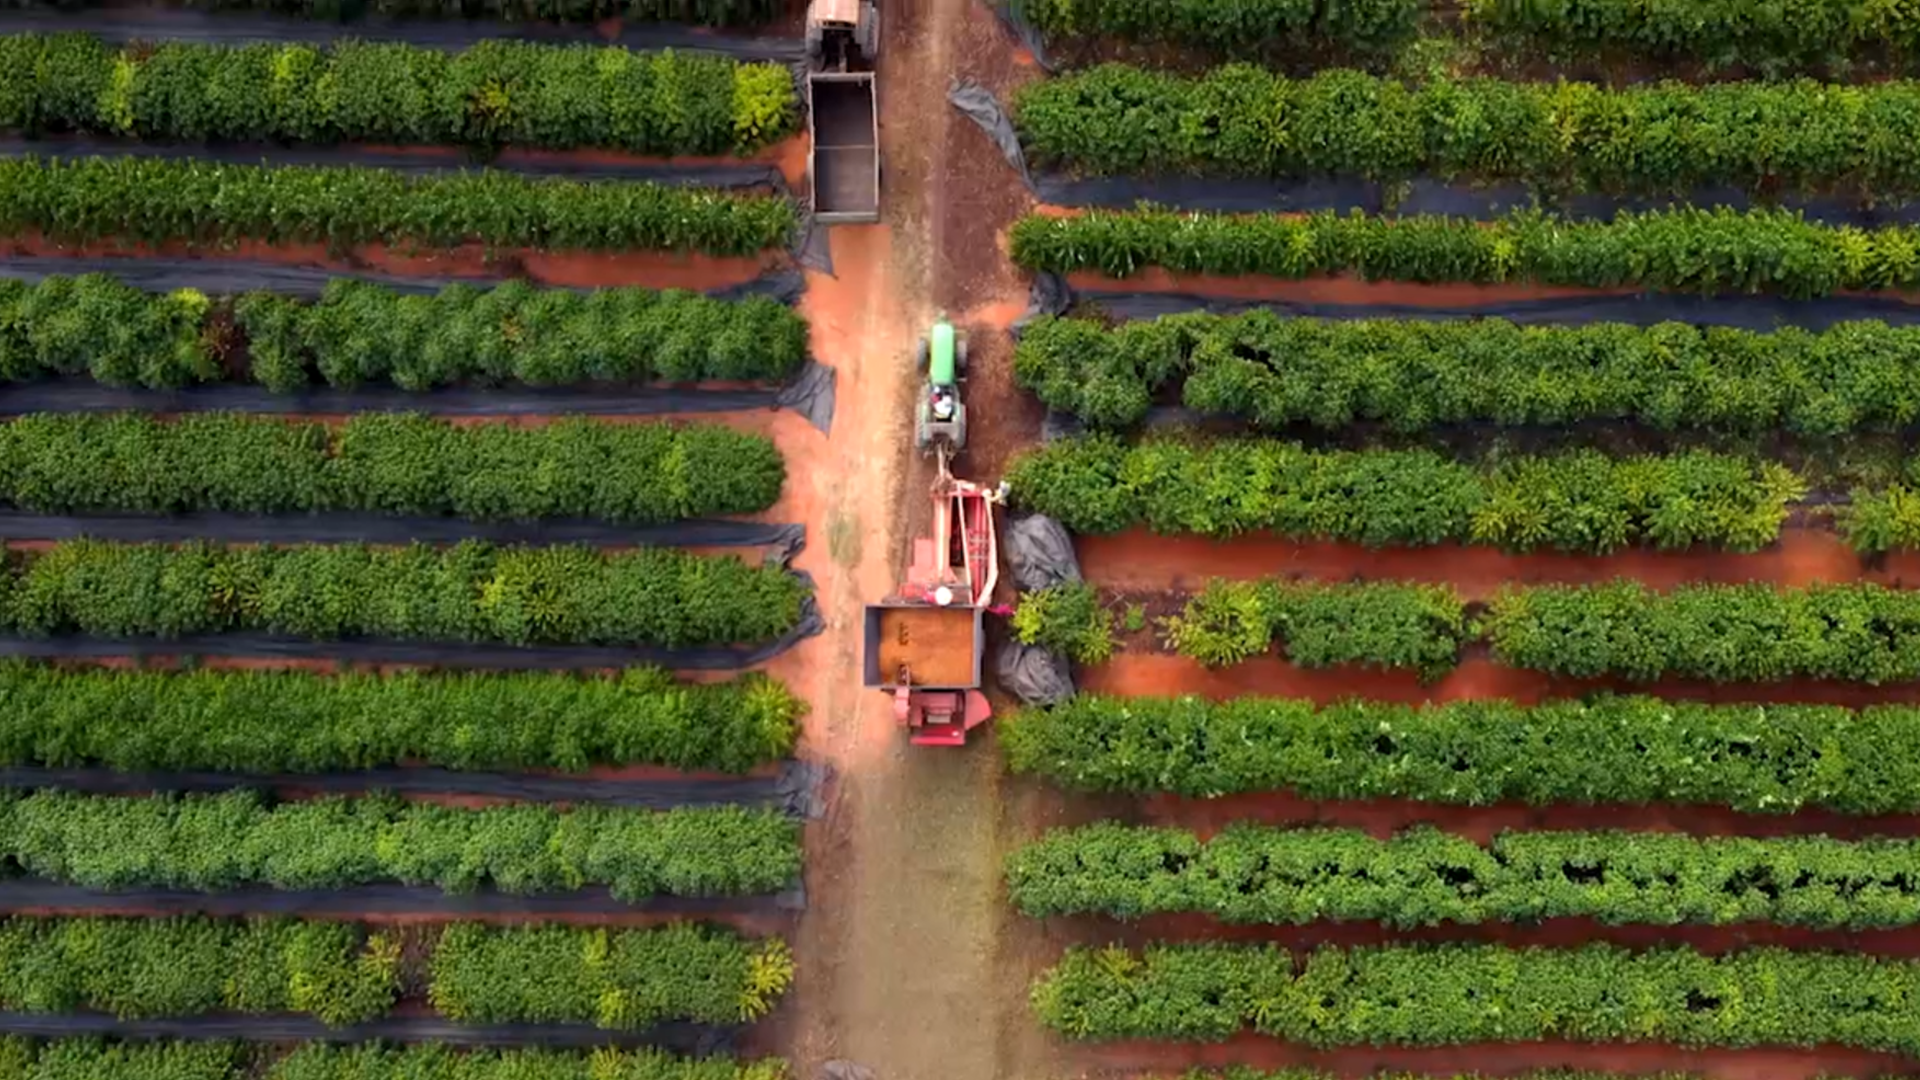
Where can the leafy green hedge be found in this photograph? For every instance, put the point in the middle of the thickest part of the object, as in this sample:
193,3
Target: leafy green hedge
156,200
1452,995
95,1059
320,1061
1722,633
707,12
184,967
1377,624
1684,250
1249,27
1666,138
360,333
1424,877
1769,35
469,592
490,94
216,843
615,979
295,722
637,474
1583,501
1766,759
1411,375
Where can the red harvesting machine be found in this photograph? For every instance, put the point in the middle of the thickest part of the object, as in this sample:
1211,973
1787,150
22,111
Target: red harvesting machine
925,643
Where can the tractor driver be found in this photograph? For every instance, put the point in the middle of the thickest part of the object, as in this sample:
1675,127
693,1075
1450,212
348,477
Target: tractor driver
943,403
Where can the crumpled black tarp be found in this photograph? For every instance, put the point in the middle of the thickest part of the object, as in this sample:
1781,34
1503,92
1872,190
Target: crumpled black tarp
795,787
785,541
179,24
680,1037
1035,675
978,104
1050,295
389,900
732,177
1039,553
1015,21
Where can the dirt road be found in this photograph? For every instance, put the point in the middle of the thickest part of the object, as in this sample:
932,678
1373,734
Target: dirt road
901,953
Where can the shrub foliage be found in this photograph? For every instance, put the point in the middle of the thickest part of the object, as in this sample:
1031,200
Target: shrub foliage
1414,375
294,722
1688,250
622,980
1583,501
1767,35
1424,877
491,94
157,200
1250,27
636,474
361,334
1455,994
95,1059
1762,759
1664,138
1377,624
216,843
469,592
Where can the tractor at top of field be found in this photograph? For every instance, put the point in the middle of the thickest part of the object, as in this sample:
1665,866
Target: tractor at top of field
843,117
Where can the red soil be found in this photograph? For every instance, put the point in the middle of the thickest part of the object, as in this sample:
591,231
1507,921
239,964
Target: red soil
1902,943
756,925
1349,289
1492,1059
1141,560
575,269
1382,817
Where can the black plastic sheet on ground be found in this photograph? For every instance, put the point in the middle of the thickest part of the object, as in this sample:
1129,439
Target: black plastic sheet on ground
1050,295
811,394
794,789
403,900
232,277
683,1038
733,177
234,28
438,654
367,528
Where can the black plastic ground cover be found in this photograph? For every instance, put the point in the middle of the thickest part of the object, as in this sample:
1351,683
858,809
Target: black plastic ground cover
732,177
811,394
390,900
232,277
368,528
796,788
173,24
438,654
683,1038
1050,295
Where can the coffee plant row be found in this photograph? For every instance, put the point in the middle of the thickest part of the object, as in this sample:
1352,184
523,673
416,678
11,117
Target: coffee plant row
361,334
1688,250
567,595
1244,27
1412,375
1560,138
235,840
1452,995
634,474
492,94
1627,750
157,201
185,967
265,722
621,980
94,1059
1424,877
706,12
1581,501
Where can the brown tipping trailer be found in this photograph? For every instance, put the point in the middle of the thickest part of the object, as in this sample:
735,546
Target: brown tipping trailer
845,158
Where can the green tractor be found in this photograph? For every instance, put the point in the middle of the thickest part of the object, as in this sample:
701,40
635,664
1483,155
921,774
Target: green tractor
940,420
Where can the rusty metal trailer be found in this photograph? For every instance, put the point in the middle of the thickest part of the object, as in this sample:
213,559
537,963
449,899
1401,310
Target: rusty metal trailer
845,158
